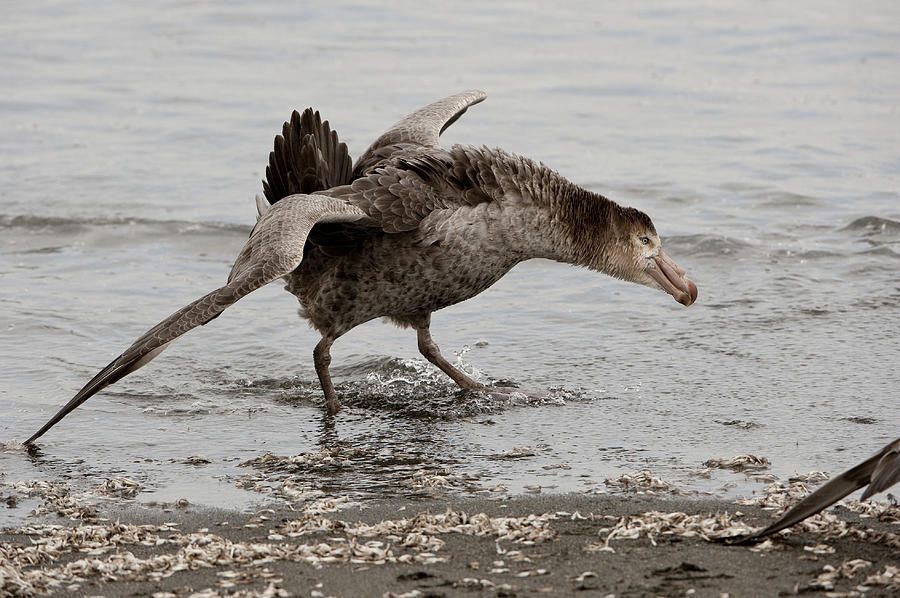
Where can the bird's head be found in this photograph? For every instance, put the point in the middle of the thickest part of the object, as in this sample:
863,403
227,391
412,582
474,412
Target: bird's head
638,257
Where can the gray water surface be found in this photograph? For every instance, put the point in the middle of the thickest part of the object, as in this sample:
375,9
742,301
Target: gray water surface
761,138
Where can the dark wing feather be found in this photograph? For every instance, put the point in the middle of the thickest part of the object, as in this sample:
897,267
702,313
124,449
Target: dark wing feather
837,488
307,157
274,249
887,472
421,129
399,195
336,239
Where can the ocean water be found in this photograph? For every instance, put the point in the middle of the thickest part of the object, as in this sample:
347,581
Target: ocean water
761,138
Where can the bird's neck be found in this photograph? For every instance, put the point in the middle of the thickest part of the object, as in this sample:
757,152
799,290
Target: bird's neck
557,219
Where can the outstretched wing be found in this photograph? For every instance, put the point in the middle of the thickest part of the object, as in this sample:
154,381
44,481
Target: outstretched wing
274,249
308,157
886,461
422,129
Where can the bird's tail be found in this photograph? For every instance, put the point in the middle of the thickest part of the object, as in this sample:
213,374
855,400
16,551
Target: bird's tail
307,157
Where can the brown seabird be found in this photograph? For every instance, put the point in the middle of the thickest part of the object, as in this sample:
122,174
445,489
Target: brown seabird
408,230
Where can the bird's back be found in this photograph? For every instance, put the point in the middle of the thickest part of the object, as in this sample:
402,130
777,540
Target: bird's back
434,239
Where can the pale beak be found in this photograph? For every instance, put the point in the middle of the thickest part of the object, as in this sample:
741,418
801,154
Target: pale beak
672,279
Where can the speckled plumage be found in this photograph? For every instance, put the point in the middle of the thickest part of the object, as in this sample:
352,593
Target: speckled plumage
442,227
412,228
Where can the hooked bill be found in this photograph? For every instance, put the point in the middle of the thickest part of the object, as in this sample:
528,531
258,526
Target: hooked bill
672,279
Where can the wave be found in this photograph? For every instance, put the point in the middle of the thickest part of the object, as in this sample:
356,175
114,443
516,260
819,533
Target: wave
804,254
706,245
874,225
881,250
781,199
62,224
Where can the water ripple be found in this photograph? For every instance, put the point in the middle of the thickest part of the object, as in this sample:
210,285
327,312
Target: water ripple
874,225
708,245
60,225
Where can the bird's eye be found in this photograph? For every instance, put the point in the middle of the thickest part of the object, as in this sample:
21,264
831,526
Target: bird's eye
645,240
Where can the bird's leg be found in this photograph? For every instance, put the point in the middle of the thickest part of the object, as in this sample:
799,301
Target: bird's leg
322,359
430,351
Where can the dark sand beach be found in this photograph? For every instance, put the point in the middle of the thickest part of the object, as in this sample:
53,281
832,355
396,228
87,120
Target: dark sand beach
542,545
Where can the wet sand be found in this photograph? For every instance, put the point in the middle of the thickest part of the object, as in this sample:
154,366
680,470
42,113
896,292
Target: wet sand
527,546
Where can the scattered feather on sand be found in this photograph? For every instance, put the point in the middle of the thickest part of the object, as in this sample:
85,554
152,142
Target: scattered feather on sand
99,549
779,497
889,578
118,488
882,511
653,524
408,532
830,574
641,482
296,478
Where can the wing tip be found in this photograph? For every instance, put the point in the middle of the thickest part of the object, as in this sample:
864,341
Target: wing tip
479,95
262,204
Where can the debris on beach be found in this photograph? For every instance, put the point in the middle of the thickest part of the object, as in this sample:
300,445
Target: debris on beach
889,578
779,497
198,550
517,452
56,499
830,574
118,488
407,531
739,463
812,477
782,496
820,549
28,568
96,549
296,479
654,524
334,456
441,479
641,482
882,511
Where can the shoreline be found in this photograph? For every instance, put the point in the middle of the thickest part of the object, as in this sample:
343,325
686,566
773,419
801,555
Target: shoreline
541,545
